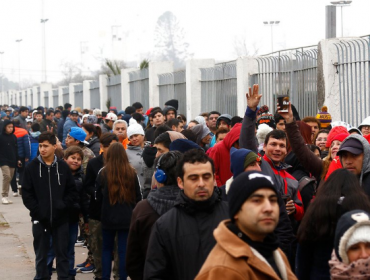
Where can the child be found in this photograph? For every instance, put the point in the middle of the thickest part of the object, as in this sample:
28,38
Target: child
34,140
38,118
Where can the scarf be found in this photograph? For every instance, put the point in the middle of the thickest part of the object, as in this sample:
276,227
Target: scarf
359,269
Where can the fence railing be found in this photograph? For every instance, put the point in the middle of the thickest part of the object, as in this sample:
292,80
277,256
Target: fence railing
114,91
219,88
173,86
94,94
65,95
38,96
56,97
46,99
78,95
139,87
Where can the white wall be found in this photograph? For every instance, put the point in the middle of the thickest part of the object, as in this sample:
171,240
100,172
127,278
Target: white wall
156,68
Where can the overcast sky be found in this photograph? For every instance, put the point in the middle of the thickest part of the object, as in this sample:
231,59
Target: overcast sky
210,25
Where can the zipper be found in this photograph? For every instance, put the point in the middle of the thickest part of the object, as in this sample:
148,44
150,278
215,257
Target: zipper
51,200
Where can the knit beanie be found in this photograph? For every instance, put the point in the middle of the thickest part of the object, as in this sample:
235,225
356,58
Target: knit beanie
173,102
224,117
366,121
262,131
134,129
183,145
243,186
324,117
334,132
264,116
340,137
240,159
352,228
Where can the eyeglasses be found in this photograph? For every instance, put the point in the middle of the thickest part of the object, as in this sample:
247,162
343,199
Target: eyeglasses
321,139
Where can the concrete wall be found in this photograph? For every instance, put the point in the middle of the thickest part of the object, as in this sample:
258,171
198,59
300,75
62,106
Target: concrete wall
156,68
103,81
86,93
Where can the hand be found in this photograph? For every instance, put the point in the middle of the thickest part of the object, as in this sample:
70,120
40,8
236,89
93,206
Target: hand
290,207
49,129
19,163
288,116
253,98
26,159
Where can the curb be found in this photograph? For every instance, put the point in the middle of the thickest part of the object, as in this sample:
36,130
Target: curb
3,222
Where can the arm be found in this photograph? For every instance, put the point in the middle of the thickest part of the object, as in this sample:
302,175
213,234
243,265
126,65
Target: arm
27,147
89,183
71,196
299,210
138,195
29,195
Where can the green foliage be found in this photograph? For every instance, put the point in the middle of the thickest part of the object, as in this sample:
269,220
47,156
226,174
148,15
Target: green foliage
108,103
144,64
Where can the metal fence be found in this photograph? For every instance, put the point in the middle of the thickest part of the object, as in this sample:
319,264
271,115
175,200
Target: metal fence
218,88
139,87
292,71
173,86
20,98
55,97
38,96
46,99
94,95
31,90
353,70
79,95
65,95
114,91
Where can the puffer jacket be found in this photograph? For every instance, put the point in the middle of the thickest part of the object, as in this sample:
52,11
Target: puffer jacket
134,156
94,145
23,140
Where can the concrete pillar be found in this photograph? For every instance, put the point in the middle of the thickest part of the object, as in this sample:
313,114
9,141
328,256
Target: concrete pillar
156,68
193,85
44,87
125,87
60,95
71,94
330,21
103,81
86,93
34,97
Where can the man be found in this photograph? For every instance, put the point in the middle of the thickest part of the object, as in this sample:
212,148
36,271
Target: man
109,120
57,116
181,239
280,122
169,113
175,125
23,114
212,121
138,107
8,157
221,134
246,247
71,121
224,121
38,117
49,191
68,106
158,119
76,137
48,124
65,114
95,240
315,126
120,129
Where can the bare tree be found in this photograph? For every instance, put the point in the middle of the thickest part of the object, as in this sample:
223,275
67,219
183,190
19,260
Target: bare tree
240,45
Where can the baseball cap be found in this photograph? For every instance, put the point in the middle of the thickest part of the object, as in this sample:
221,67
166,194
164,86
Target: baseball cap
73,112
352,145
111,116
78,134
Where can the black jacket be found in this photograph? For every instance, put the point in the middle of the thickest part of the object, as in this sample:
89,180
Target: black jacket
94,145
83,203
149,134
49,191
182,238
8,147
93,167
117,216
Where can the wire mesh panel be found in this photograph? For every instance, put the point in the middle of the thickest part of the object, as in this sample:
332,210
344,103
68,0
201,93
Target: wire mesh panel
46,99
94,95
38,96
219,88
65,95
353,69
79,96
31,98
114,91
139,87
173,86
55,97
20,98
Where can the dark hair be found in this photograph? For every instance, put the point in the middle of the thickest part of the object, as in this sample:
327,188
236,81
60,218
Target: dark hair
16,123
161,129
190,135
321,131
163,139
48,136
192,156
194,121
57,111
67,105
95,129
49,112
60,108
138,117
156,110
172,122
320,220
278,118
39,113
130,110
107,138
235,120
35,127
168,163
313,148
86,111
137,105
221,130
214,113
181,117
312,119
73,150
65,114
22,109
277,134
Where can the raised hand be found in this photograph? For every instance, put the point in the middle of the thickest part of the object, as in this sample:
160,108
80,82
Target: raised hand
288,116
253,98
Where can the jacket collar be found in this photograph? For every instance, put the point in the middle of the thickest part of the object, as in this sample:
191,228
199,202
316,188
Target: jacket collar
282,166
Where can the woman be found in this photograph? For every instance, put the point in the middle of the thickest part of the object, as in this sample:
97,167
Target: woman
339,194
93,134
320,141
351,256
118,187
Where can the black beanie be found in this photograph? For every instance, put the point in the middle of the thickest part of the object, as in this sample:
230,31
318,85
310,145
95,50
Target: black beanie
173,102
243,186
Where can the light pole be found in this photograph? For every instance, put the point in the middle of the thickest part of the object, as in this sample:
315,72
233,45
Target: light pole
271,23
2,72
341,4
19,63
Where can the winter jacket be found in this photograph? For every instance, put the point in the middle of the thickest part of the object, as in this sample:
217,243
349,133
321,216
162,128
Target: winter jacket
182,238
60,129
334,165
92,171
8,147
22,121
145,214
220,154
49,191
105,128
34,140
134,156
149,134
88,155
83,202
232,258
117,216
94,145
45,124
23,141
67,127
148,167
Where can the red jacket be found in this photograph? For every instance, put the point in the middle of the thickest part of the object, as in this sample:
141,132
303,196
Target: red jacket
220,154
334,165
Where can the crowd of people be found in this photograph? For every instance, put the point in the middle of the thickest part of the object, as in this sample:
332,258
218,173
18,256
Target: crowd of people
152,195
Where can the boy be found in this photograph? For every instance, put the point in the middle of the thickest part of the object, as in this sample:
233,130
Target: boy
38,117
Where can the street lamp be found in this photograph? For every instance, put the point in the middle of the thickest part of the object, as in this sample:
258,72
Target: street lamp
341,4
271,23
19,63
43,21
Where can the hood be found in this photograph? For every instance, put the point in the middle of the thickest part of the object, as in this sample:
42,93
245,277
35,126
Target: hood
35,134
55,163
232,136
163,199
93,140
7,122
134,148
366,160
237,159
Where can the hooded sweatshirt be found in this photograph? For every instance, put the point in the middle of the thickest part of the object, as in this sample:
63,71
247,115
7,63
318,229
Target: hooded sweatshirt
8,147
34,139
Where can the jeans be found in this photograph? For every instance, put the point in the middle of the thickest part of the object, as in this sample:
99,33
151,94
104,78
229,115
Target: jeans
73,232
108,247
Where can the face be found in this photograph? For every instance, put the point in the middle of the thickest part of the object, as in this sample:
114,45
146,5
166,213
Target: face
9,129
335,147
74,117
191,124
120,130
321,140
105,149
74,162
151,121
140,111
180,127
88,134
110,123
46,149
137,139
351,162
24,114
317,153
170,115
57,115
254,166
39,117
259,214
365,130
29,124
70,141
358,251
223,124
212,119
198,182
221,137
315,129
275,149
281,125
158,119
207,139
160,149
50,117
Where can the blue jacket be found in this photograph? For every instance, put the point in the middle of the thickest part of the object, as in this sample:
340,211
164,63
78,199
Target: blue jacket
67,126
34,139
23,141
60,129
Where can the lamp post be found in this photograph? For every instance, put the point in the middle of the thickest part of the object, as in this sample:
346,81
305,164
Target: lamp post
341,4
19,63
271,23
